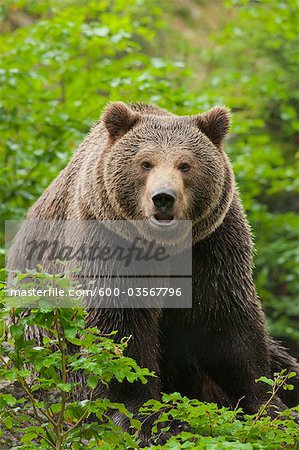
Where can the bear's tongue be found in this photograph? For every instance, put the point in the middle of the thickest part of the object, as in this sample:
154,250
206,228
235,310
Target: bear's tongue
164,217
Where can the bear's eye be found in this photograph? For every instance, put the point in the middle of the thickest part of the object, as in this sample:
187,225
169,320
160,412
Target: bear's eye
184,167
146,165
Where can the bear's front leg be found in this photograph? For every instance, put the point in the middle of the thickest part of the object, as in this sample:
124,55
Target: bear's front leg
234,361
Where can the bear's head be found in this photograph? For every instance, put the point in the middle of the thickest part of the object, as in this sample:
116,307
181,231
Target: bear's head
165,168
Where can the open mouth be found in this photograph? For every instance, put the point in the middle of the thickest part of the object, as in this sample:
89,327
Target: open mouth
163,218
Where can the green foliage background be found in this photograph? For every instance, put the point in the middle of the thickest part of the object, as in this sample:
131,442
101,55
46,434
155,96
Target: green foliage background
62,61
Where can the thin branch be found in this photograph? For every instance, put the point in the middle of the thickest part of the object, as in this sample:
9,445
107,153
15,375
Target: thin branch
49,439
80,420
36,409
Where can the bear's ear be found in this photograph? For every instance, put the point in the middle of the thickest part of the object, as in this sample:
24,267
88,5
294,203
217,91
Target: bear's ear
119,119
214,123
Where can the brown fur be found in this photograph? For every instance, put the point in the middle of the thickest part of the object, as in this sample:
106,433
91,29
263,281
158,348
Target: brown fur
93,187
216,350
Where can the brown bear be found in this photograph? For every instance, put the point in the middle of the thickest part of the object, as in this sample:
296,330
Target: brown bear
140,162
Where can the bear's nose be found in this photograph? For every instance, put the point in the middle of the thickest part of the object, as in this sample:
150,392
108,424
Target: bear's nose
164,200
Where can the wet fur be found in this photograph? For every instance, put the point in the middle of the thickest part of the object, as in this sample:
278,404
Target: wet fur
216,350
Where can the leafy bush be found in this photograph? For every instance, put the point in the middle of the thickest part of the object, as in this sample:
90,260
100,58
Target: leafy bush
214,428
42,381
50,378
61,63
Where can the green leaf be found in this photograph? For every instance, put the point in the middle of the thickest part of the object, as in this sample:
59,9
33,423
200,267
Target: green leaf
92,381
265,380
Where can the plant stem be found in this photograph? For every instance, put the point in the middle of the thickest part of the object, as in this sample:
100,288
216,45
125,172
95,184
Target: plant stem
62,348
